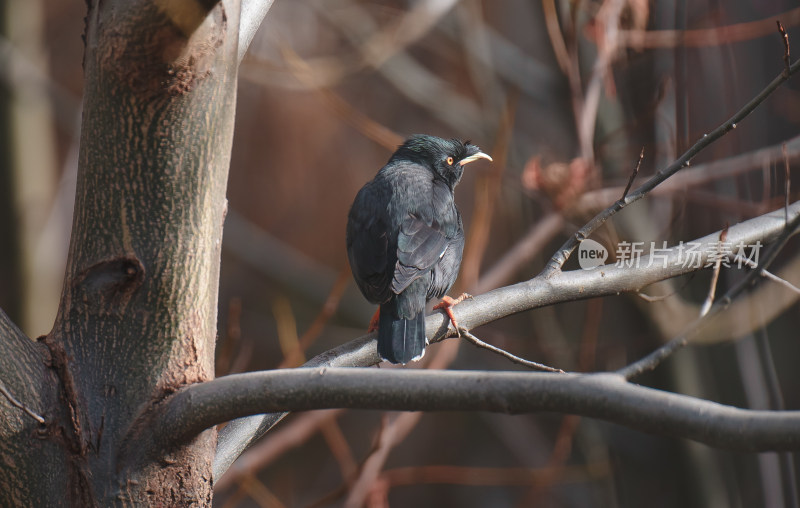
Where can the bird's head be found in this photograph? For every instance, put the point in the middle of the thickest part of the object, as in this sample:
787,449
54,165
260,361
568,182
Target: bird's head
445,158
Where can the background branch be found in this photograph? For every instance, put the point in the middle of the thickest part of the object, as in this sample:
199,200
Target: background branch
561,256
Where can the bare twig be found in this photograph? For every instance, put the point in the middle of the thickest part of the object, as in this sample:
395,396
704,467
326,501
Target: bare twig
521,253
633,175
767,274
386,52
337,443
487,189
516,359
19,405
608,17
556,37
328,309
232,339
785,37
787,182
286,437
712,290
702,173
652,360
652,299
373,130
701,37
260,493
560,257
394,430
393,433
286,325
460,475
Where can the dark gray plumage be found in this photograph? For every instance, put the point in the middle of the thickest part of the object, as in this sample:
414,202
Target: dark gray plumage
405,238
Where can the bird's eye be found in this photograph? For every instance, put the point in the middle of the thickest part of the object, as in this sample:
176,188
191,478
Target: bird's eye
449,161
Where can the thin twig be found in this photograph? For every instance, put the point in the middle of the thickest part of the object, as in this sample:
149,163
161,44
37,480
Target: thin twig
556,36
562,254
633,175
767,274
259,492
785,37
705,37
701,174
787,183
608,18
491,476
487,190
14,402
392,434
340,449
712,290
292,435
516,359
318,325
652,299
370,128
652,360
526,248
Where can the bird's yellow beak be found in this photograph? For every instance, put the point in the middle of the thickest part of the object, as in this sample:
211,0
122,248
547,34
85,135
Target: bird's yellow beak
472,158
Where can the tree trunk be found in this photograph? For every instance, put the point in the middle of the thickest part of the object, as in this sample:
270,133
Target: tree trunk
137,317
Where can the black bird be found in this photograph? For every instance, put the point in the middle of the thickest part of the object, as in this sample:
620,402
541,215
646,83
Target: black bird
405,238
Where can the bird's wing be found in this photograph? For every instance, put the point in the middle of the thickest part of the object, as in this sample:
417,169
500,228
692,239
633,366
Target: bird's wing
445,273
368,249
419,247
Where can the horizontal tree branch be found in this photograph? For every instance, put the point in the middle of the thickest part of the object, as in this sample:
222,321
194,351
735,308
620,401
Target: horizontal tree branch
540,291
604,396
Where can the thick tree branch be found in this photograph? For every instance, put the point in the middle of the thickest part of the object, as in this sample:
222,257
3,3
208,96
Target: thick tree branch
603,396
252,15
537,292
562,254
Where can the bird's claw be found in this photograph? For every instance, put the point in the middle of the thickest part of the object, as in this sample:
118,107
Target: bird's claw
447,305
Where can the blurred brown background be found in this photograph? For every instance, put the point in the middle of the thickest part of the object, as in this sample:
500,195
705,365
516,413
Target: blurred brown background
564,95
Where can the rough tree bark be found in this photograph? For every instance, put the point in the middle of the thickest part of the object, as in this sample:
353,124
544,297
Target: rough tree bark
137,318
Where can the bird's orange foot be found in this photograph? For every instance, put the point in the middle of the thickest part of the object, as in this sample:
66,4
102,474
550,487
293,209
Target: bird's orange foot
447,305
375,321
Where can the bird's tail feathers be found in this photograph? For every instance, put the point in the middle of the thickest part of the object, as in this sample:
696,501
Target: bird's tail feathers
400,340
